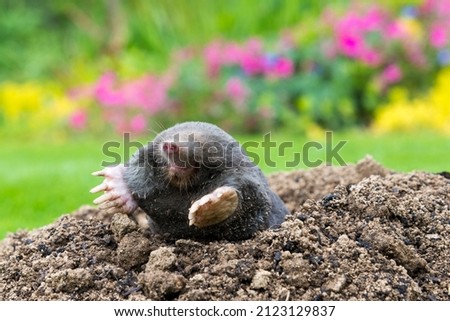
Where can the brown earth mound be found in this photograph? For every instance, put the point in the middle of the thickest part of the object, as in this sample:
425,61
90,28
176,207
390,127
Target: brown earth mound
356,232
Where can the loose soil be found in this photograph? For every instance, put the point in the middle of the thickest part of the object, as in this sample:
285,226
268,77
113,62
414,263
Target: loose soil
359,232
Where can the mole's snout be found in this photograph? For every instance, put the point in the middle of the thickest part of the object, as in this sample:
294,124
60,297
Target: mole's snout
176,154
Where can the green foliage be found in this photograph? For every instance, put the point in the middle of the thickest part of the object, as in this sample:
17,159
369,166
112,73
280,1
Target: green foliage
167,24
39,38
30,47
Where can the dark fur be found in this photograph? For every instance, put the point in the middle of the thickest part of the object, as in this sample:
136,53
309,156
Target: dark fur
221,162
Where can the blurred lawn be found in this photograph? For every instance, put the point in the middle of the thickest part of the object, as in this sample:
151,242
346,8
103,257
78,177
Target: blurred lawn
41,181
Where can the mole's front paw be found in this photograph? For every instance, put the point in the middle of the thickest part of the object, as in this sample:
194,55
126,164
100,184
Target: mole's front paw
116,198
214,208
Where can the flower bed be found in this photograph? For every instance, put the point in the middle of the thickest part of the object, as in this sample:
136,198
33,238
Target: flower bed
335,71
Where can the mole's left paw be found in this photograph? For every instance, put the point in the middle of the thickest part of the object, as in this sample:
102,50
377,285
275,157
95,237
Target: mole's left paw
214,208
116,198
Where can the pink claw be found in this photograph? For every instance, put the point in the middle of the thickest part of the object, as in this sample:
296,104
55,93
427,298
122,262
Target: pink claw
100,188
116,198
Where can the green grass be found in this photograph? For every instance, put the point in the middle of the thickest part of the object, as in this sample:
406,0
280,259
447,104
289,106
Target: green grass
41,181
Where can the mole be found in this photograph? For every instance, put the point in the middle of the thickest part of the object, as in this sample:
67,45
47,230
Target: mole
196,181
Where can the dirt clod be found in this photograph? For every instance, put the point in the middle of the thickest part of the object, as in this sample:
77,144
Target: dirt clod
335,283
359,232
161,259
133,250
261,280
121,225
159,285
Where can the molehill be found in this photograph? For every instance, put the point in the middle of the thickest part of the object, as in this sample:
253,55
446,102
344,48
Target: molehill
359,232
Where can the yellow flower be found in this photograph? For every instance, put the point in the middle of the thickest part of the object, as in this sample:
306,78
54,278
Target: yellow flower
33,106
431,111
15,99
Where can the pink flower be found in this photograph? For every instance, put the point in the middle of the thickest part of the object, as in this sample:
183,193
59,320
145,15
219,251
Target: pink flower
350,44
281,68
249,56
373,20
438,7
357,34
393,30
78,119
391,74
237,91
138,124
439,36
353,45
106,93
213,58
232,54
252,57
252,64
147,93
371,57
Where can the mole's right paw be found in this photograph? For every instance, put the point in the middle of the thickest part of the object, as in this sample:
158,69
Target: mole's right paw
214,208
116,198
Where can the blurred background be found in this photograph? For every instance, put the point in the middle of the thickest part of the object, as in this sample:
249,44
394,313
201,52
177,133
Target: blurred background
77,74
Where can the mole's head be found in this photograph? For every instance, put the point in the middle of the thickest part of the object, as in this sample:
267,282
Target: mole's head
190,153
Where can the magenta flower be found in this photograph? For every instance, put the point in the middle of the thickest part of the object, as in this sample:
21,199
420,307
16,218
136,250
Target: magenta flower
354,46
147,93
252,64
281,68
248,56
350,35
236,90
138,124
252,58
106,93
371,57
213,58
391,74
373,20
350,45
393,31
354,34
78,119
439,36
438,7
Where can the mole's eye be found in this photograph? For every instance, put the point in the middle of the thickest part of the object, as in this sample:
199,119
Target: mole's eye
170,147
